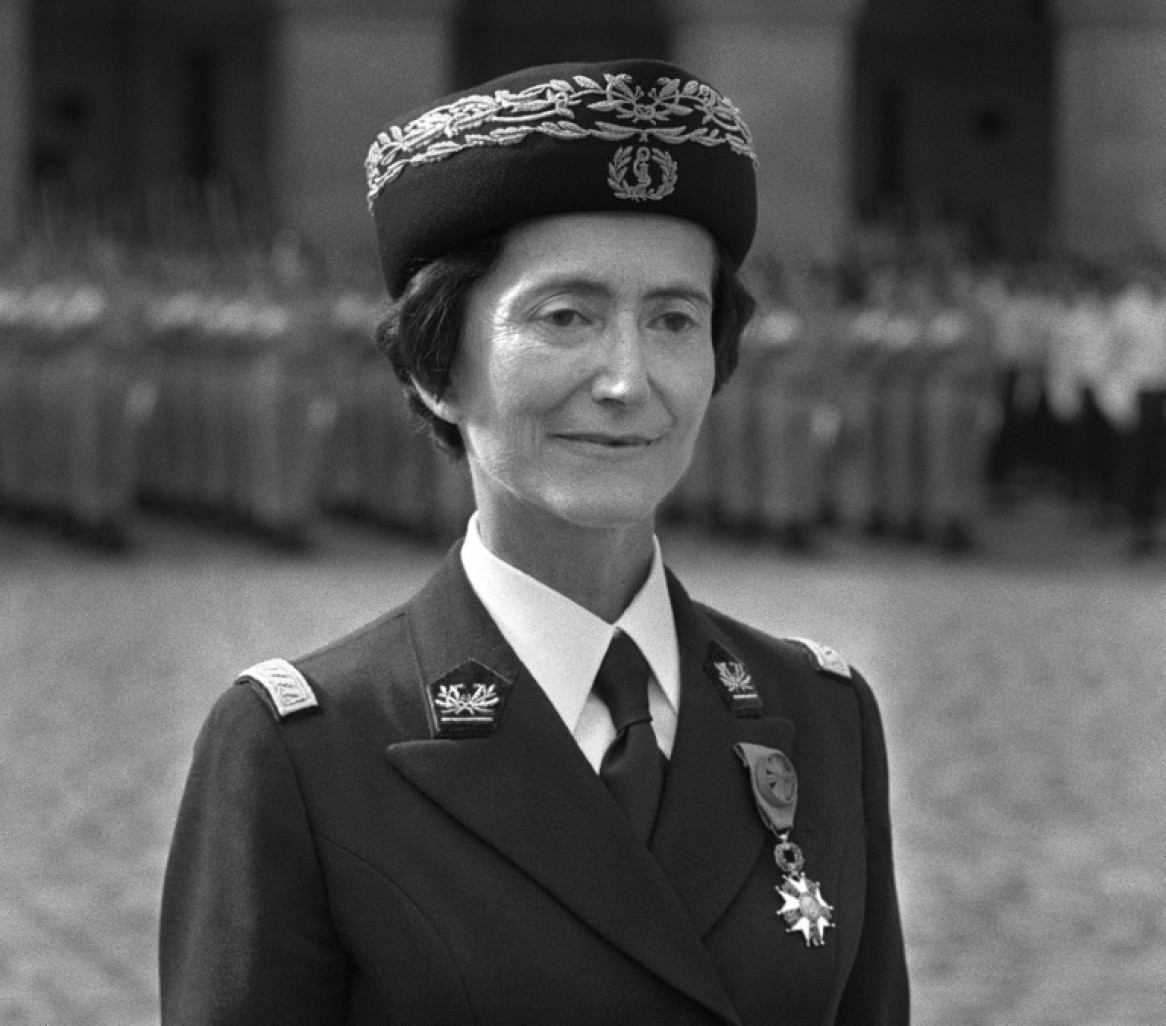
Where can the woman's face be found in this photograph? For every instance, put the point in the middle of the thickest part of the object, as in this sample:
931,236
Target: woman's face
585,368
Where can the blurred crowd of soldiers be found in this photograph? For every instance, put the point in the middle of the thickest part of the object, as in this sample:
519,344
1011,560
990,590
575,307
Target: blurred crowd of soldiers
1047,375
1083,353
894,393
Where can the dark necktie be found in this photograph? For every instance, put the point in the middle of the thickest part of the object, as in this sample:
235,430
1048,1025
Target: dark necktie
633,767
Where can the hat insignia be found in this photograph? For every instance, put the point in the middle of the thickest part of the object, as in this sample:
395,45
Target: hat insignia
640,166
669,113
468,701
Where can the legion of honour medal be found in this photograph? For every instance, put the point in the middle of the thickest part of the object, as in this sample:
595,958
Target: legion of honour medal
775,792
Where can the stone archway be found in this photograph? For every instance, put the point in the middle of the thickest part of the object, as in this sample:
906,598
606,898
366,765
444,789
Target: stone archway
954,117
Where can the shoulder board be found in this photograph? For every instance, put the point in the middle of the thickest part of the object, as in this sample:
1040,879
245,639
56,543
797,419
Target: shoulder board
825,659
289,692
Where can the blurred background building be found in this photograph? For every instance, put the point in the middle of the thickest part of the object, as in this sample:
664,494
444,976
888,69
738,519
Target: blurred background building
961,255
1030,122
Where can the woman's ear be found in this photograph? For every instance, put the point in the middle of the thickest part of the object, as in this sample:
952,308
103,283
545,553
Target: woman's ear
446,407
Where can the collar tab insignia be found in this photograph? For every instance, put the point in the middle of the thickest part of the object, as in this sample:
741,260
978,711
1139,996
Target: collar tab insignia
825,659
733,681
467,702
286,688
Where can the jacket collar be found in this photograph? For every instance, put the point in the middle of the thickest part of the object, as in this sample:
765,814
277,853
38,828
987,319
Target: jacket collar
709,836
561,643
528,791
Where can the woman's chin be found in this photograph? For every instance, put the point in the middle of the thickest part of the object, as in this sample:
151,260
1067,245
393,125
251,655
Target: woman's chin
602,511
610,510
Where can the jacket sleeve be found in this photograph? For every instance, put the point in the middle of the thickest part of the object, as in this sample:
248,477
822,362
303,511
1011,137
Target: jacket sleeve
246,935
877,992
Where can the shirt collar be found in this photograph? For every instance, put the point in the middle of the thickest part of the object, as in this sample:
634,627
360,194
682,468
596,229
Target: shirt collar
560,642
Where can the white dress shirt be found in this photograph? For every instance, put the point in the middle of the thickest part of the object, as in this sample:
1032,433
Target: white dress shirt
562,644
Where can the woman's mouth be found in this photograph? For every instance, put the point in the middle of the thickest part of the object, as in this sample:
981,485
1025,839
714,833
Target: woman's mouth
610,441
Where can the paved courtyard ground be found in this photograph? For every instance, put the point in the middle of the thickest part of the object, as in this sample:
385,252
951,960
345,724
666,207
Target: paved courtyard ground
1024,689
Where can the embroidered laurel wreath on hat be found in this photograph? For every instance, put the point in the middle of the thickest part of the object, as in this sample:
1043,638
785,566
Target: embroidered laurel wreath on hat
634,135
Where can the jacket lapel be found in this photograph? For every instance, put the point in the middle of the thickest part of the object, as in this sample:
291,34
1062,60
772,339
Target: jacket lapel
709,835
528,792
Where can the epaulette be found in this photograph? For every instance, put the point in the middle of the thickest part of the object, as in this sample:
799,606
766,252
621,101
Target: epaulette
289,692
825,659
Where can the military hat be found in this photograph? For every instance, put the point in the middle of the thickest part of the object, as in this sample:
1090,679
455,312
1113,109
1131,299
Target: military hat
630,135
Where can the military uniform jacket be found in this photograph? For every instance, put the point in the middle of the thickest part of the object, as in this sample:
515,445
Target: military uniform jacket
346,866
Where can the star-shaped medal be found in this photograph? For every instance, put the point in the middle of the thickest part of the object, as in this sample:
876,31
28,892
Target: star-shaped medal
805,911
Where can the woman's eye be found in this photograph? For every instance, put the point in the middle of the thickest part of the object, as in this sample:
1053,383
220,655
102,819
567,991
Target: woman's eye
676,322
564,318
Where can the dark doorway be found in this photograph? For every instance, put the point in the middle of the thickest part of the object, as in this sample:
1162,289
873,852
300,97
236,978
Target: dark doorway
136,103
202,156
953,119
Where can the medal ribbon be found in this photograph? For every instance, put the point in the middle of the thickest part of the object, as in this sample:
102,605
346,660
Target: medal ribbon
775,785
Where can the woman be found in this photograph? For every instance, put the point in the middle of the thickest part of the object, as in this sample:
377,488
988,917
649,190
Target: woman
439,819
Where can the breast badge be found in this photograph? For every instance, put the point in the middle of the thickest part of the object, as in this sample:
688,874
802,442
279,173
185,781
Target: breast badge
804,910
775,793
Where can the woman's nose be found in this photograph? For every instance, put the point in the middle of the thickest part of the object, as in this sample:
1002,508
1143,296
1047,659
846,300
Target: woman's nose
622,374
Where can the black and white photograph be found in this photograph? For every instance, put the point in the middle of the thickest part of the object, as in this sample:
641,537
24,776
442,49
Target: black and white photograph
583,512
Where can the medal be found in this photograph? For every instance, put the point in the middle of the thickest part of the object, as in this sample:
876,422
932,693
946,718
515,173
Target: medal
775,793
804,910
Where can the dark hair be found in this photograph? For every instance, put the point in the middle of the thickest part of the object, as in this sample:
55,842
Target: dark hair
421,334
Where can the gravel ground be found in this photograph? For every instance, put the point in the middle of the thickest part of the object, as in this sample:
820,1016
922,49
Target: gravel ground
1024,690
